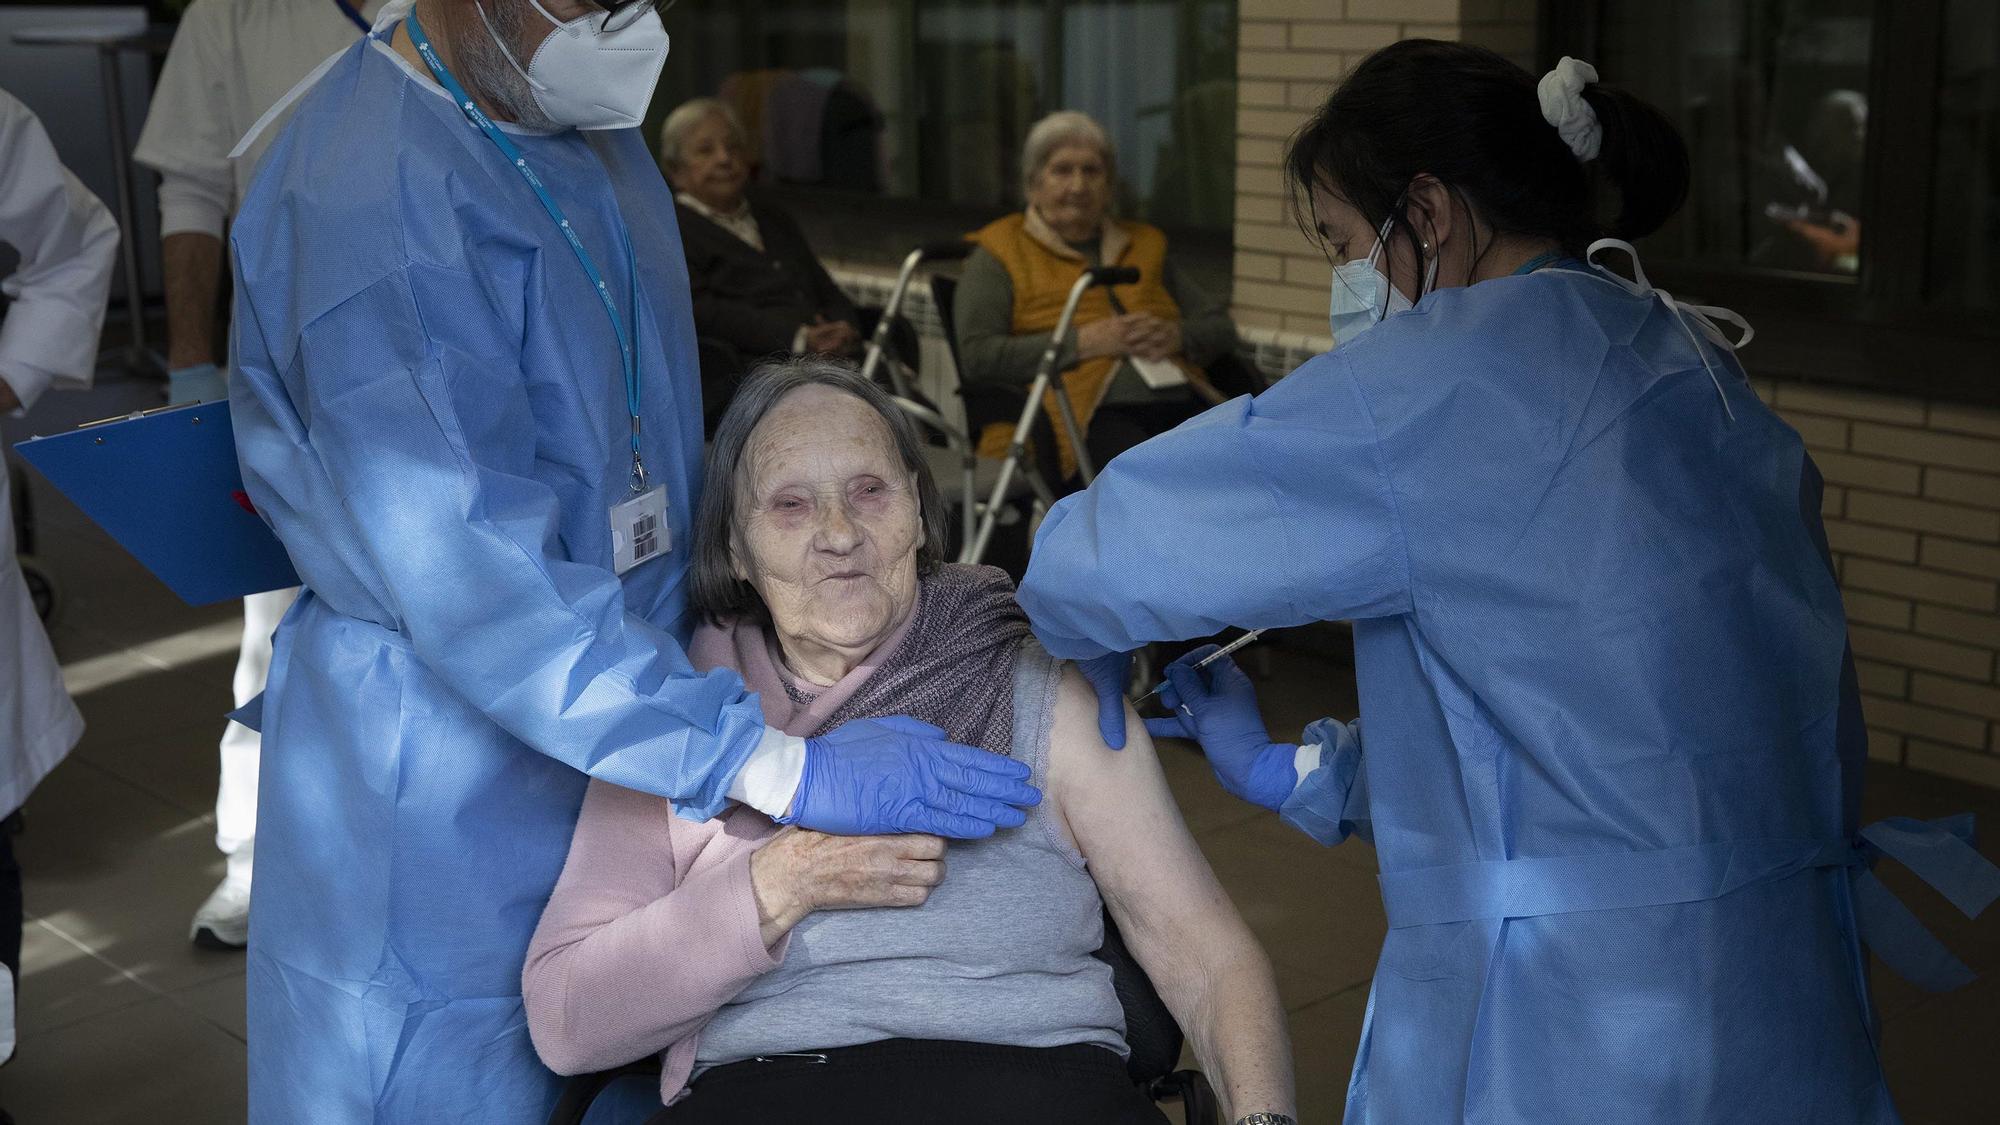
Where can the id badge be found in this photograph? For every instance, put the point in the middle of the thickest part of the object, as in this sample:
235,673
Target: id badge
639,531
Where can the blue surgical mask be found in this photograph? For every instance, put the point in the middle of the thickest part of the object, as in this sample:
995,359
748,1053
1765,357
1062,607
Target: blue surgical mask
1361,296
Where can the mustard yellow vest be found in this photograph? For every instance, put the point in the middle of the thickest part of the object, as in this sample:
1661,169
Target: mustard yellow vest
1042,279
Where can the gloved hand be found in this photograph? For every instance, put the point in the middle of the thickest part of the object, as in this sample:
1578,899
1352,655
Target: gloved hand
1109,674
872,777
1217,707
198,382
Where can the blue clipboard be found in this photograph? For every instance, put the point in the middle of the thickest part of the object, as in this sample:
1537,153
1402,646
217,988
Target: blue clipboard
165,485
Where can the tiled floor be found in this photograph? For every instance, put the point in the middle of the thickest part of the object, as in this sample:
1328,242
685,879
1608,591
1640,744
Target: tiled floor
122,1021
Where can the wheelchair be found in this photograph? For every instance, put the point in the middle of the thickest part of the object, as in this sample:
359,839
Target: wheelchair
962,475
1150,1031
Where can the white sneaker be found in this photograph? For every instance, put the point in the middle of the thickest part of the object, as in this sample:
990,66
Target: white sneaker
223,922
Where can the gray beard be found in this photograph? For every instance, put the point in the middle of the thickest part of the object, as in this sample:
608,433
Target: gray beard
490,72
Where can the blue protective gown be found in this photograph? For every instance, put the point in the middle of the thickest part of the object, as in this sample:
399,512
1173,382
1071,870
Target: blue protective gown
1593,620
430,410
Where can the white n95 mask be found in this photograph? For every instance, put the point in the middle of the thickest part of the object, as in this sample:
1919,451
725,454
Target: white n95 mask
1361,296
596,71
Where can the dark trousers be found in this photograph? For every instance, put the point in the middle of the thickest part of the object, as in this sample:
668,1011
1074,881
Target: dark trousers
11,915
922,1082
1117,427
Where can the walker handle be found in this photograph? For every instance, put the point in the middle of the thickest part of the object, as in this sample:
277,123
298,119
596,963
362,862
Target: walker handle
1115,275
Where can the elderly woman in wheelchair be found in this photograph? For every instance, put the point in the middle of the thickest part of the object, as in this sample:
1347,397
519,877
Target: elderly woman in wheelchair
786,975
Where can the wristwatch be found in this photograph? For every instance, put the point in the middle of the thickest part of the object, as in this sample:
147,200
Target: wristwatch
1267,1119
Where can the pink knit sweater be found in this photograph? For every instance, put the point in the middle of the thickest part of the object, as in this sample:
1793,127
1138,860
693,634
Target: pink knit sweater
653,927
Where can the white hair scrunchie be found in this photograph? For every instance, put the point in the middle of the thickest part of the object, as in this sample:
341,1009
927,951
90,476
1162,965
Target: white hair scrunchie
1561,94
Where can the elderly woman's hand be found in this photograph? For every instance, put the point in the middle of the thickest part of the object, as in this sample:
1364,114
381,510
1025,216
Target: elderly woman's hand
1101,338
1140,334
1151,337
800,871
832,337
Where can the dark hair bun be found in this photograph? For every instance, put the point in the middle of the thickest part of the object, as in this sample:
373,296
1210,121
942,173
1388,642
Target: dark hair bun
1644,158
1472,119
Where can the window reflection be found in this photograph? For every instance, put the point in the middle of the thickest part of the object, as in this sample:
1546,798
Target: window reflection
931,100
1771,98
1964,260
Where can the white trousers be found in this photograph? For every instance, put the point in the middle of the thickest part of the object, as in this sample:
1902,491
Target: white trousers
236,796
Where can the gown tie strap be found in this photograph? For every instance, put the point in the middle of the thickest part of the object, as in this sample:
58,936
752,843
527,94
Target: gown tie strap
1689,316
1939,852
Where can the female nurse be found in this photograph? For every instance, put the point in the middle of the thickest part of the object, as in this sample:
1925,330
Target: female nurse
1612,745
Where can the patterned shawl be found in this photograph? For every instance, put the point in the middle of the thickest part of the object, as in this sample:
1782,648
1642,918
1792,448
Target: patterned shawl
951,664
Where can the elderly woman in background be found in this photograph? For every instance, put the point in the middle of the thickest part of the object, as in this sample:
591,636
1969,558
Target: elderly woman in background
795,976
1139,349
755,282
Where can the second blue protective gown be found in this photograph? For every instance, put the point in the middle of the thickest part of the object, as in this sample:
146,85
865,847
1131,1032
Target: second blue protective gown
1608,758
430,410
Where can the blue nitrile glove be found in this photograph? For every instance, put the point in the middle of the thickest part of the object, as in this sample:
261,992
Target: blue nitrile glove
1217,707
1108,674
870,777
197,382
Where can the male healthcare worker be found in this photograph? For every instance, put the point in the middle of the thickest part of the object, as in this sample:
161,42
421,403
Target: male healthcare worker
1609,742
231,61
467,399
67,244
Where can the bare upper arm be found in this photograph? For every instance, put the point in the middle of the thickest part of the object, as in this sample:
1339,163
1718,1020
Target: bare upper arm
1117,807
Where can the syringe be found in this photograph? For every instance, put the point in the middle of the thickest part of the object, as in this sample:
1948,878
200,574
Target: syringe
1211,658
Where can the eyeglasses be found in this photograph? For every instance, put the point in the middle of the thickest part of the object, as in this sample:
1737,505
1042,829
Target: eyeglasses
621,14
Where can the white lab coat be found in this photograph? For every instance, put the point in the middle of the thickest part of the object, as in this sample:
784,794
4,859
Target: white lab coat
68,245
231,61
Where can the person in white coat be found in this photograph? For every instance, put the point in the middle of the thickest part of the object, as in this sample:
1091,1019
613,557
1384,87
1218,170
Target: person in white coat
231,61
67,244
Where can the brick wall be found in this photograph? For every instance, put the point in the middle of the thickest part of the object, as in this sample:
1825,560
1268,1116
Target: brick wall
1913,496
1913,515
1290,53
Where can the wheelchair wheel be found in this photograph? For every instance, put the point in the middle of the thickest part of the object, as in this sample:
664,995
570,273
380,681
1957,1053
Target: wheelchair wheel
41,589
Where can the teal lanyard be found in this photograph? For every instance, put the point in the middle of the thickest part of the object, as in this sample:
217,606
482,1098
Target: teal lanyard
627,342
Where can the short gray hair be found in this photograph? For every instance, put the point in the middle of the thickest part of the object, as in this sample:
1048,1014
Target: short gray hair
713,588
1063,127
688,114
